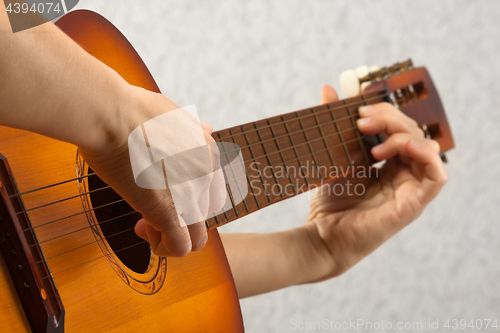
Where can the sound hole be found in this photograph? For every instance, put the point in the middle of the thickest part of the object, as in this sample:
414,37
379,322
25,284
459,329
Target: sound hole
117,220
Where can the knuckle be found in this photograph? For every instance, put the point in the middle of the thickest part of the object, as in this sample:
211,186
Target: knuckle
387,106
199,242
420,132
182,249
399,138
435,145
443,180
181,252
443,177
160,208
413,123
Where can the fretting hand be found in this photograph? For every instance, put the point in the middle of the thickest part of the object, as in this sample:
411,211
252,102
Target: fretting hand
346,229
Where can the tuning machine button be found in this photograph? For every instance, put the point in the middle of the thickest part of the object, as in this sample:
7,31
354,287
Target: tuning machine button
349,82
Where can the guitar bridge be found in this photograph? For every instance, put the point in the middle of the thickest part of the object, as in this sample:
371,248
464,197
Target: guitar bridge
25,261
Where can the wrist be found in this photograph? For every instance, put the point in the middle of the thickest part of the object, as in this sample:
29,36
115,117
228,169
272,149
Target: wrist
318,260
129,107
110,120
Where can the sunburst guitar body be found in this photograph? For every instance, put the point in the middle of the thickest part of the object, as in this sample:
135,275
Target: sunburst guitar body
71,261
88,281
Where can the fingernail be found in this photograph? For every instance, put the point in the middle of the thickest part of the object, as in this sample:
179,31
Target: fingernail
363,121
414,144
365,110
376,148
206,127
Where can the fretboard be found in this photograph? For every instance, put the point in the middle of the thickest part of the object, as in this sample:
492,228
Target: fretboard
292,153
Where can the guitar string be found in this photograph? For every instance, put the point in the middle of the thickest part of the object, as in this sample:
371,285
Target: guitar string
328,109
133,245
227,137
89,261
224,154
129,213
260,143
261,156
64,199
88,227
96,241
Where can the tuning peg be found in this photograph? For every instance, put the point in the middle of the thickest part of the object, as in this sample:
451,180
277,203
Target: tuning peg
366,71
364,85
362,71
349,82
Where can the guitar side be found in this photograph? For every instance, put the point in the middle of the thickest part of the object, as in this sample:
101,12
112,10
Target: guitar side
198,294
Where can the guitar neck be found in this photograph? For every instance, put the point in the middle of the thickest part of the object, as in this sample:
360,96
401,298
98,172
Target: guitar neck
292,153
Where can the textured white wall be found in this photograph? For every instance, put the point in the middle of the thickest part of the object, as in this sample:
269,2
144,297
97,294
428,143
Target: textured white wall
240,61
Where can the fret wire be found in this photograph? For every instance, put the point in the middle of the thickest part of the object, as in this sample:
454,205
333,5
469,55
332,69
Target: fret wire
281,155
248,179
356,130
366,103
267,157
295,148
285,135
323,136
341,138
216,220
230,193
260,174
309,143
327,110
224,212
215,216
234,177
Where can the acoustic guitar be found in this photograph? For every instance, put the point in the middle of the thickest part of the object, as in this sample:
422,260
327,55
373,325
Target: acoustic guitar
71,261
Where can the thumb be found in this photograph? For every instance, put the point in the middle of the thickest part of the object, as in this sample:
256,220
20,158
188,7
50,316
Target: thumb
140,229
328,95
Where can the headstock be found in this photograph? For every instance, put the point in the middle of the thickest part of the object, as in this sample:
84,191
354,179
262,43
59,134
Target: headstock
412,91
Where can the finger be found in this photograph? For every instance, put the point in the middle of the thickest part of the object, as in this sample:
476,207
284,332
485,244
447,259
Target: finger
198,233
175,238
421,150
154,239
396,144
328,95
213,151
425,152
385,118
217,192
207,127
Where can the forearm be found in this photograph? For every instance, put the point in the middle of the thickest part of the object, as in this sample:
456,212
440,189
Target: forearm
262,263
50,85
